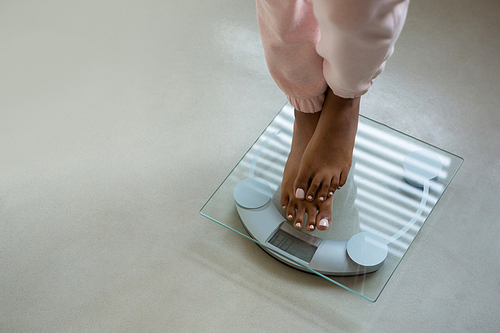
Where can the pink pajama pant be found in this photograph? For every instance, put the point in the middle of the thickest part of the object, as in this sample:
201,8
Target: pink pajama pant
311,45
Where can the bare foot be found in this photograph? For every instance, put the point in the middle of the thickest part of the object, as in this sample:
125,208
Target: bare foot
327,159
319,214
303,130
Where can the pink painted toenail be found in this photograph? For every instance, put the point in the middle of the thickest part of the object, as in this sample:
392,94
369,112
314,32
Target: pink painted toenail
311,227
321,199
323,223
298,225
330,193
309,197
290,216
284,207
300,194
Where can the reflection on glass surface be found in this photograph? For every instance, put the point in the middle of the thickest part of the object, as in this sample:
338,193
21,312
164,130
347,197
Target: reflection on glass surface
394,183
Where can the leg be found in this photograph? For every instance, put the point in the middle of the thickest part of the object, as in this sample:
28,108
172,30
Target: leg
290,33
303,130
357,37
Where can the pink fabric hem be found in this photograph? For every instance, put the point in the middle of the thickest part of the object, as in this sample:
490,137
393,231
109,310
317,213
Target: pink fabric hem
307,105
348,94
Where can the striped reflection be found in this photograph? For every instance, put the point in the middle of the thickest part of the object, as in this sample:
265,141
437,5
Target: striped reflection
267,157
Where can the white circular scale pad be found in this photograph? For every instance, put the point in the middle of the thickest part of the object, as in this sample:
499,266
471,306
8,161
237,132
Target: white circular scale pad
421,166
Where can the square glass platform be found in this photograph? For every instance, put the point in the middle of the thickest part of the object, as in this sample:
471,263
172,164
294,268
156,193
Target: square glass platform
394,184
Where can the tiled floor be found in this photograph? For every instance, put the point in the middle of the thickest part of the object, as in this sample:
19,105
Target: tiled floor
119,119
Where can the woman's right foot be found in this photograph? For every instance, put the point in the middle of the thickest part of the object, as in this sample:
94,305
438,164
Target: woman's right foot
319,213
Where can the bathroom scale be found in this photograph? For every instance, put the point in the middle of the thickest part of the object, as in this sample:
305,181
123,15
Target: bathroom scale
394,183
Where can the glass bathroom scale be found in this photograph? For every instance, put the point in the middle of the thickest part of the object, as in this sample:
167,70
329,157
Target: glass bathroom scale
394,183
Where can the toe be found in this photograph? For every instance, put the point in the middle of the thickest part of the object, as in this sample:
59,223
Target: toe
334,185
284,201
300,186
343,178
311,218
313,188
324,216
300,193
299,219
323,192
335,181
323,223
289,205
287,200
290,211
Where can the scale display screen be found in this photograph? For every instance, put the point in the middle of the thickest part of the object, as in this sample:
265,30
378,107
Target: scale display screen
292,245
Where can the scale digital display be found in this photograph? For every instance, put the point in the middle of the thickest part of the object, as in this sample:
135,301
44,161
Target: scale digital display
293,245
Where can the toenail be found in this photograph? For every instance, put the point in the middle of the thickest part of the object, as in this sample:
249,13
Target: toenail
330,193
321,199
284,207
311,227
309,197
300,194
323,223
290,216
298,225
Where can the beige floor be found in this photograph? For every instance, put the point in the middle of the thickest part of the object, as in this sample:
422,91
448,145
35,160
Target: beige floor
118,119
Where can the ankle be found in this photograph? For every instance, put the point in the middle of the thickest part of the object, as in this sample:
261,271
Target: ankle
334,103
306,122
